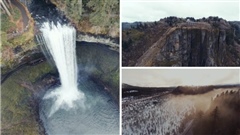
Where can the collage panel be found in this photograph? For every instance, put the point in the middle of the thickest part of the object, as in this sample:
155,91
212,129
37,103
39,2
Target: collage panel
60,67
180,101
180,33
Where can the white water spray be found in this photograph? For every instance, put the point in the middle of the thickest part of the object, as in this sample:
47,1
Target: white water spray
61,43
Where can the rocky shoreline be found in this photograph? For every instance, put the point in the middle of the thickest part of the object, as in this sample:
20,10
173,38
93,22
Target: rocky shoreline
102,39
39,59
37,97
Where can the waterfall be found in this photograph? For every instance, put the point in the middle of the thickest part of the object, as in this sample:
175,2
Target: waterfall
60,40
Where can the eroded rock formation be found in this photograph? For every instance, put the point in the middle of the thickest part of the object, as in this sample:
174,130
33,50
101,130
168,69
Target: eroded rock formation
175,42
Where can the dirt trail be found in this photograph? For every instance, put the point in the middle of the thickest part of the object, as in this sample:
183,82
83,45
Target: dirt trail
147,58
25,18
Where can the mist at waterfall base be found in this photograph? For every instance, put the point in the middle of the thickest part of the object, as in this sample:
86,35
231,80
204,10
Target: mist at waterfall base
79,105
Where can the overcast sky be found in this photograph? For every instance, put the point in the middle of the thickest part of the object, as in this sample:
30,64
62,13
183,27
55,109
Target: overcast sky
153,10
176,77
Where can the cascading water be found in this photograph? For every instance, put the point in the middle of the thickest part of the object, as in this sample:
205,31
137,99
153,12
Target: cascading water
61,43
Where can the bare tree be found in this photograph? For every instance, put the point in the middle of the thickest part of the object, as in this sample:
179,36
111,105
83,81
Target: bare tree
80,7
9,4
3,4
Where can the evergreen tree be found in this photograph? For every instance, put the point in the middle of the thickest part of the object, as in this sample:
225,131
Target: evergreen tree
104,12
215,116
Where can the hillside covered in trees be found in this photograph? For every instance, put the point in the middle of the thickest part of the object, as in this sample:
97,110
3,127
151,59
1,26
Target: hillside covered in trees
92,16
222,118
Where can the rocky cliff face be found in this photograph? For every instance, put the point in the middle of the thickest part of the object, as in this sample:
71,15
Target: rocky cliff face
175,42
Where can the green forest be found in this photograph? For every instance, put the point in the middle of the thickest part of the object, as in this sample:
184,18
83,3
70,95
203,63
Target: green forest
101,13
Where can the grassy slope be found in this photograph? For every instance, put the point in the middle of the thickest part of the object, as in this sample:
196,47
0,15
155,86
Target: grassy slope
17,115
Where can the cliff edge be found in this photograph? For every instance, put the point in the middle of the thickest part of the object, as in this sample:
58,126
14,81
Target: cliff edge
176,41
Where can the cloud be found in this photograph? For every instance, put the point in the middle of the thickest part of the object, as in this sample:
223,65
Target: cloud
176,77
154,10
